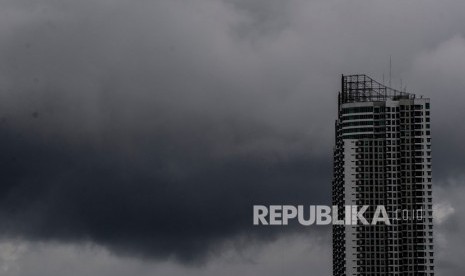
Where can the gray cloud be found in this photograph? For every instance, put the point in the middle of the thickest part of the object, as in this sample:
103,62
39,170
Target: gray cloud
449,230
291,254
437,71
152,127
146,138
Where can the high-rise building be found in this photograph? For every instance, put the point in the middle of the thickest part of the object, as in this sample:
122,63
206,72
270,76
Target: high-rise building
382,156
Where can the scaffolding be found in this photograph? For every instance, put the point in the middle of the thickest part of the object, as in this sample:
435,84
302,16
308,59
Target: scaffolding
361,88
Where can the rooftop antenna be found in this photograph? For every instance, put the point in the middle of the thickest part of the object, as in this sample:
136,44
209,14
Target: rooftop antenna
390,69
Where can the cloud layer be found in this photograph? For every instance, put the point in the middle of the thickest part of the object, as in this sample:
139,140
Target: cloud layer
151,127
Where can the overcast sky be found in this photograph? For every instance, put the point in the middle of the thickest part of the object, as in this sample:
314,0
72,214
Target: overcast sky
135,136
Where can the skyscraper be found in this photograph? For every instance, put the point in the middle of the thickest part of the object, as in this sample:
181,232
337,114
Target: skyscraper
382,156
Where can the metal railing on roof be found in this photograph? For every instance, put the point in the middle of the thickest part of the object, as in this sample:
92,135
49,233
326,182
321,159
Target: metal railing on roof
361,88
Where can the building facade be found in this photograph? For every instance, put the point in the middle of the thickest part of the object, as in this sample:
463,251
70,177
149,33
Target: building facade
382,156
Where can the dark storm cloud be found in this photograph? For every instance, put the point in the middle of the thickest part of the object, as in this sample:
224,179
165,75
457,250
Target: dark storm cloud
162,201
147,134
152,127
